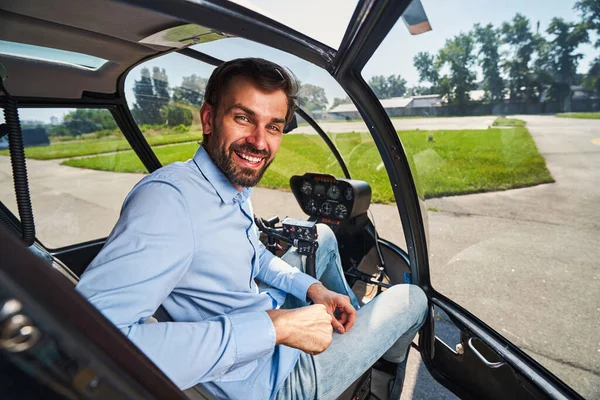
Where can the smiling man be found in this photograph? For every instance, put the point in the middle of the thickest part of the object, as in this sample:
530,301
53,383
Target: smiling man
186,240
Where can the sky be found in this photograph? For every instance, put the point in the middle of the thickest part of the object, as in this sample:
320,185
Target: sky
326,21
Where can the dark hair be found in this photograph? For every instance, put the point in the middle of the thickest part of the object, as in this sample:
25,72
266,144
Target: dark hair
266,74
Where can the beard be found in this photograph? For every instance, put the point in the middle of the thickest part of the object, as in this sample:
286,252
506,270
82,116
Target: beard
237,174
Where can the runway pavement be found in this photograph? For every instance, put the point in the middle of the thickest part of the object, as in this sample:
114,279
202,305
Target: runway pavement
425,124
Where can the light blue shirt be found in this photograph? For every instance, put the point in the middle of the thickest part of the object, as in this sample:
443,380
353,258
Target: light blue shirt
186,239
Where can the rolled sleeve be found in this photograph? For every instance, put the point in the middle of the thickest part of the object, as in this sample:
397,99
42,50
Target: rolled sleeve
254,335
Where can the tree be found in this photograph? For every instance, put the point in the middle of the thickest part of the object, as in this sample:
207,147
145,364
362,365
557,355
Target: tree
312,97
426,66
567,37
144,109
338,100
161,87
418,91
191,90
458,55
151,95
386,88
174,115
592,78
543,75
518,36
489,43
87,120
590,13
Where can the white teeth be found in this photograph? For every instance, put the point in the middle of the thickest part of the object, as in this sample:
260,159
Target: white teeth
249,158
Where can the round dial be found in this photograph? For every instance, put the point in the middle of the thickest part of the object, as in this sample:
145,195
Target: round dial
341,211
333,192
349,193
311,206
306,187
326,208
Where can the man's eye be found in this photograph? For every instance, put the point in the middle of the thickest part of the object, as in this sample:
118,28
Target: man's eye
274,128
242,118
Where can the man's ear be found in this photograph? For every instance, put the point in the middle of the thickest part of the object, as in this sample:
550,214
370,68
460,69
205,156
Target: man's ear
207,117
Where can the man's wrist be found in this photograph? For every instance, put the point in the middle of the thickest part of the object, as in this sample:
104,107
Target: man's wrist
314,290
281,333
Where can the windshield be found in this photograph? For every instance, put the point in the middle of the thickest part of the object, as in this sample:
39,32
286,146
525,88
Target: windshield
325,21
497,109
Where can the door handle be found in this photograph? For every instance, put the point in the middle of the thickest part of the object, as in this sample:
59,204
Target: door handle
482,358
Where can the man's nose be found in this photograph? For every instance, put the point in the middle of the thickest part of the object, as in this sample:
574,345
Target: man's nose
258,138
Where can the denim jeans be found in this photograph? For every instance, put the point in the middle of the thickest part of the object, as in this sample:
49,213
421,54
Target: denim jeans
384,327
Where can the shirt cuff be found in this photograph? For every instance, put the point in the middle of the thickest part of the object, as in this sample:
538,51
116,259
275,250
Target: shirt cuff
301,284
254,335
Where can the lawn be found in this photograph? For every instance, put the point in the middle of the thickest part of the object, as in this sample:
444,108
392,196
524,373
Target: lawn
582,115
97,146
503,121
448,162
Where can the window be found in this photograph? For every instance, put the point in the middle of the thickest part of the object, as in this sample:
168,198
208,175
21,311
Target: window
301,151
164,95
327,25
51,55
510,188
77,161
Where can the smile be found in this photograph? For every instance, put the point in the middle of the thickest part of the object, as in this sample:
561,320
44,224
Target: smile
248,158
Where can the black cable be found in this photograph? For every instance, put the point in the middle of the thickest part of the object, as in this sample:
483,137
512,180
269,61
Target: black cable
381,269
19,169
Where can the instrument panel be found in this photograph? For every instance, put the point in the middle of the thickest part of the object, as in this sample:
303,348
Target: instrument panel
330,199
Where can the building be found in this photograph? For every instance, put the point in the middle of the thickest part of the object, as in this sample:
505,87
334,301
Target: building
395,107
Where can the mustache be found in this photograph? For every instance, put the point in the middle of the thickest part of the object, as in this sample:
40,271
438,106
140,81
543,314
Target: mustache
250,149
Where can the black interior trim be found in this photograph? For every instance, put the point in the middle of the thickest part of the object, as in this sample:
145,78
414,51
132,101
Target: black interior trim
200,56
79,256
54,304
523,364
239,21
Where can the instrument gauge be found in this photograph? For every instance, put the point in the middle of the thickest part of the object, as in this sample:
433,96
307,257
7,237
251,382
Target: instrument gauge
333,192
349,193
306,187
341,211
326,208
311,207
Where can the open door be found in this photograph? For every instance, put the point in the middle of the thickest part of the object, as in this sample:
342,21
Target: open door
480,363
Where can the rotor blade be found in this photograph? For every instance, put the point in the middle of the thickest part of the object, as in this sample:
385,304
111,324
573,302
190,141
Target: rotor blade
416,19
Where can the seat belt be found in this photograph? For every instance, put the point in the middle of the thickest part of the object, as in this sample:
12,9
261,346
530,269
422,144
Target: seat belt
162,315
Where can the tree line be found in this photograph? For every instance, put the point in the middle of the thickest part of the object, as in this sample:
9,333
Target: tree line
515,60
518,63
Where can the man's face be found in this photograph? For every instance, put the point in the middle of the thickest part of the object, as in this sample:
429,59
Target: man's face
245,130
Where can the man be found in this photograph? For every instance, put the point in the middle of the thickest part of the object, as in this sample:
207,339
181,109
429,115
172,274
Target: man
186,239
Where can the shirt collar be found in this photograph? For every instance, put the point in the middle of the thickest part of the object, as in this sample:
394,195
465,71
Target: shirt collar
225,189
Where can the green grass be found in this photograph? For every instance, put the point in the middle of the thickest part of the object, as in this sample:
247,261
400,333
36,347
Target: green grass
503,121
454,163
98,146
582,115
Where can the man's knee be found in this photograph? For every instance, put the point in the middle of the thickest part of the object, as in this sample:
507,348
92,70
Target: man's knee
413,299
327,240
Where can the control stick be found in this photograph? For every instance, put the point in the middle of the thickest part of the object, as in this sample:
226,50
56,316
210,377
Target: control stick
300,234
